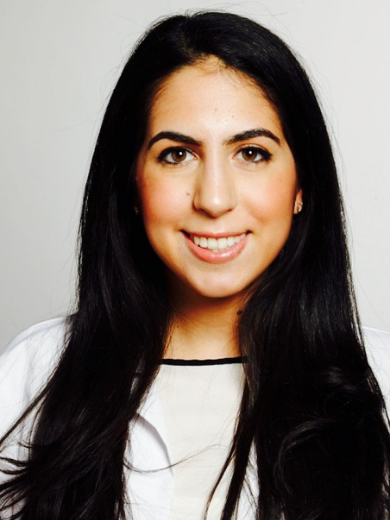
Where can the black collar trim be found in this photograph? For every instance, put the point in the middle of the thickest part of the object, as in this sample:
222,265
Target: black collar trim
203,362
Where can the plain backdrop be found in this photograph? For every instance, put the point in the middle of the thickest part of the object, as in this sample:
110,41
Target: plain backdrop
59,62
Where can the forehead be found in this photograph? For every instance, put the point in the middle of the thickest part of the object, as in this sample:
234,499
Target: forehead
209,90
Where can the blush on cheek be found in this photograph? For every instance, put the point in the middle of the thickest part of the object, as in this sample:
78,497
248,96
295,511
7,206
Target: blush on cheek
161,203
148,194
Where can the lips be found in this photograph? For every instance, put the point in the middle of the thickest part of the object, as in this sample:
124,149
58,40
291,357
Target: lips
216,244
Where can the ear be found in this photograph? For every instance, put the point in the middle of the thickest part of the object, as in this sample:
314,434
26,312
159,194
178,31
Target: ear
298,204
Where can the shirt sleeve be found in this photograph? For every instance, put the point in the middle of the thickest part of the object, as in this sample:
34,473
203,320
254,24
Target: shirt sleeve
25,366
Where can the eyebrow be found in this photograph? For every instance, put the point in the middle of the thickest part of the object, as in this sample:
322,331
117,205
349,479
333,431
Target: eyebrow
242,136
173,136
249,134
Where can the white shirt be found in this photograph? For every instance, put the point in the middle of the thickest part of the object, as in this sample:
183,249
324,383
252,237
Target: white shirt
27,362
200,401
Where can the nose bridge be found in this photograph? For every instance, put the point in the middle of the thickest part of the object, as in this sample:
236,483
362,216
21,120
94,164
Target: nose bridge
215,188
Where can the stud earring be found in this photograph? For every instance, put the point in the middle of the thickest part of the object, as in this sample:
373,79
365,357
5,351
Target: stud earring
299,207
136,210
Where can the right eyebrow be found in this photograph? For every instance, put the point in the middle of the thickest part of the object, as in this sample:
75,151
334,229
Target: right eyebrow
173,136
250,134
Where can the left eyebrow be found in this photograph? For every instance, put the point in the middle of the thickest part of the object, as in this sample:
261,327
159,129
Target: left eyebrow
249,134
173,136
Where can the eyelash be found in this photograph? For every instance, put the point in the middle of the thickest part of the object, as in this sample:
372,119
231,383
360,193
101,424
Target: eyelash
265,155
165,153
163,156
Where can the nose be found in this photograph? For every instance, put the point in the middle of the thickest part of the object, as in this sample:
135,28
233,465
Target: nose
215,191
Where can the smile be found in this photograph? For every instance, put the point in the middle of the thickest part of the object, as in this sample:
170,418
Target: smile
216,244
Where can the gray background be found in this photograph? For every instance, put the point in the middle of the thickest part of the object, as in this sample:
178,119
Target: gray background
59,62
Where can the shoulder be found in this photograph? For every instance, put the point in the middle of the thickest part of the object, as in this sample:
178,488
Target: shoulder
25,366
38,332
377,344
39,344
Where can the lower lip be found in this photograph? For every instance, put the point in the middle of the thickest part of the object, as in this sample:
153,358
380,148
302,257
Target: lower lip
216,257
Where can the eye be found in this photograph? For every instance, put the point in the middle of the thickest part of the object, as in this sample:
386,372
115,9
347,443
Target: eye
175,155
254,154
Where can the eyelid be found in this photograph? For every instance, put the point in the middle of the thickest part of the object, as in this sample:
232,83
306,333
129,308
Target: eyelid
260,149
164,153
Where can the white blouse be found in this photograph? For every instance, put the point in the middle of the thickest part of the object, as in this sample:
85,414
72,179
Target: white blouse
200,401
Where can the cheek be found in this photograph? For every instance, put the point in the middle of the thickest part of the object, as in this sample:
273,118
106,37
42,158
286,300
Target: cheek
273,202
160,203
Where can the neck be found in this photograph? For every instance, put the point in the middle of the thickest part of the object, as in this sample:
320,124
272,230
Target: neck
203,328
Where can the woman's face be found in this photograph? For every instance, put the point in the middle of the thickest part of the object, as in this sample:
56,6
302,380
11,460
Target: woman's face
216,181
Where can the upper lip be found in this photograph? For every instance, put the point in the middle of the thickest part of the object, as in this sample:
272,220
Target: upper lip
215,235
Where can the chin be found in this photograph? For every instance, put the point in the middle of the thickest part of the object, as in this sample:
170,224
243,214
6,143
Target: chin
220,292
192,289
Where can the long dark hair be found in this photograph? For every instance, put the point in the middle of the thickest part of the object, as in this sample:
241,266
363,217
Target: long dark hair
312,414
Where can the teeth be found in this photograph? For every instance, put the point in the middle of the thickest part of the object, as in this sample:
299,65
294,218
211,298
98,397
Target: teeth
217,244
203,242
222,243
212,243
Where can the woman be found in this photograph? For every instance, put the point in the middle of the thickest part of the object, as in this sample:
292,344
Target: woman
212,234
